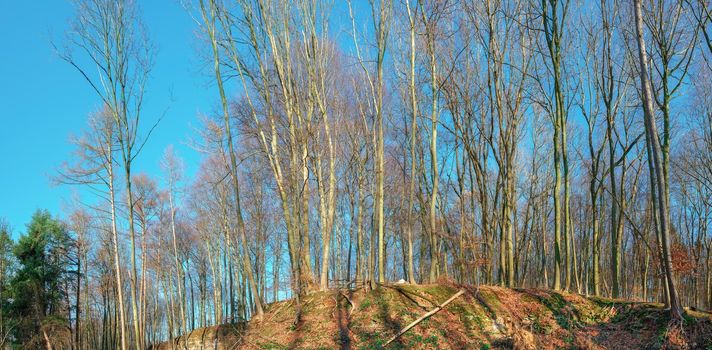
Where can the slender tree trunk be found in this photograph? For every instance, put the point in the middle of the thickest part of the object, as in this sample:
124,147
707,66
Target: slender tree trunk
132,232
413,138
78,295
360,250
553,33
557,213
433,165
179,268
379,207
658,175
567,229
115,239
595,261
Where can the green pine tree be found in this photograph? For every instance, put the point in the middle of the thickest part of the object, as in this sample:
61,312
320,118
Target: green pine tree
6,264
36,297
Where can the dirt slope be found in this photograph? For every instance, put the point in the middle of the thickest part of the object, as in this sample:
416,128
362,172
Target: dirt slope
484,318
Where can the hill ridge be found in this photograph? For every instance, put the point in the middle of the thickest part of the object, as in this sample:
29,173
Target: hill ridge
485,317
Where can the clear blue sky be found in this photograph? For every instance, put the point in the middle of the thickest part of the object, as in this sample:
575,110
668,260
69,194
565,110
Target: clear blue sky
43,101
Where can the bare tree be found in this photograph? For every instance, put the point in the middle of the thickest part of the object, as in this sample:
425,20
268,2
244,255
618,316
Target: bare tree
657,175
109,35
94,167
553,15
209,13
381,14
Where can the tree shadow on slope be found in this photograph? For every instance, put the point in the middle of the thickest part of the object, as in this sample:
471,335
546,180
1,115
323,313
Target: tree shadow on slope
315,327
375,324
298,328
343,318
486,300
384,314
565,313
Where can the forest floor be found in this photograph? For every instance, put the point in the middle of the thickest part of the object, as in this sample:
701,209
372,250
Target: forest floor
483,318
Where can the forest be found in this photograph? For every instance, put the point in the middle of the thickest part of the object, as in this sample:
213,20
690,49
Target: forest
554,144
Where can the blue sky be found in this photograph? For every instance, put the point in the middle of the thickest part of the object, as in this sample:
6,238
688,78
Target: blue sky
43,100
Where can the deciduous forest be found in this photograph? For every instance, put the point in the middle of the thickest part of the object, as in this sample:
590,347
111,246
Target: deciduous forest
554,144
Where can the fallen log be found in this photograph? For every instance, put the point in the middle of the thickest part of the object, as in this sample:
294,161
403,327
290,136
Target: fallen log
428,314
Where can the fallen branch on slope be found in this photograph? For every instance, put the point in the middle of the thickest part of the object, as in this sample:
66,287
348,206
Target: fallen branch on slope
354,307
430,313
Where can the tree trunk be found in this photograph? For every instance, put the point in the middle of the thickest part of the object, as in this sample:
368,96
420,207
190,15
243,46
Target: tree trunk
658,174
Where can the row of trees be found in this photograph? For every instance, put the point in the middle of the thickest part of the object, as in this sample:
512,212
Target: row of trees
499,142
